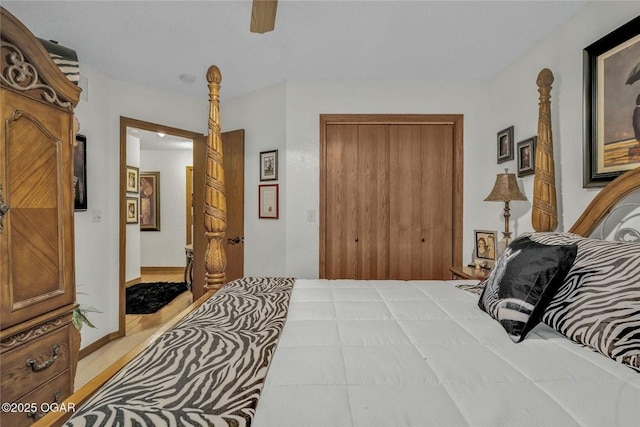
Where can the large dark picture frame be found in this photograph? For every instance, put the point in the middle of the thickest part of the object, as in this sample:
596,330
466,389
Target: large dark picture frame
80,173
611,77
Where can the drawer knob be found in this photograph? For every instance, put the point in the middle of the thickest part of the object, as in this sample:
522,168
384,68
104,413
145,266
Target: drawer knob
37,415
38,367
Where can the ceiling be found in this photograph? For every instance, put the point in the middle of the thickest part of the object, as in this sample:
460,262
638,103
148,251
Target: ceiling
154,42
157,141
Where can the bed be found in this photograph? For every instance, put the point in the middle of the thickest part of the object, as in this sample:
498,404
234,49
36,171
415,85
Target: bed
276,352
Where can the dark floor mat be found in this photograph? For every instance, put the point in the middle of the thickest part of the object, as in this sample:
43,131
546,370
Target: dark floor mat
147,298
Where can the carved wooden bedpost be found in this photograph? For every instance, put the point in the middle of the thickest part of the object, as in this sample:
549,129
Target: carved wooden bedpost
215,201
545,212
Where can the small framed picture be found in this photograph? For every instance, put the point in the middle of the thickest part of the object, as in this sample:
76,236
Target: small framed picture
132,210
526,156
505,145
269,165
133,179
268,201
485,249
80,173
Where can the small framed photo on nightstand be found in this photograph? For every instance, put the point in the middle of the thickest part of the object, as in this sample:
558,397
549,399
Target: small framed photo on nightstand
484,249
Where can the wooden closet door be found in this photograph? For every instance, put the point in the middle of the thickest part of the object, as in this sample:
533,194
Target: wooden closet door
390,196
437,201
421,208
341,213
405,201
373,202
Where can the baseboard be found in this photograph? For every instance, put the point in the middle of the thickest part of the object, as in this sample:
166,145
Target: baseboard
133,282
84,352
161,270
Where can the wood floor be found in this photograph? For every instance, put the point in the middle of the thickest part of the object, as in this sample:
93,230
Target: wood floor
96,362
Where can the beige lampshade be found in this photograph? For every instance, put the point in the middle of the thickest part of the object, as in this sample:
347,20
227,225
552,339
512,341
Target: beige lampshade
505,189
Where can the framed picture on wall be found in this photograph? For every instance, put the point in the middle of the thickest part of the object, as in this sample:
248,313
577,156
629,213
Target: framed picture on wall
133,179
505,144
484,248
526,152
611,70
150,201
132,210
268,201
80,173
269,165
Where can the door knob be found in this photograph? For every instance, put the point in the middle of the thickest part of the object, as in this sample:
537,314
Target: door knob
233,241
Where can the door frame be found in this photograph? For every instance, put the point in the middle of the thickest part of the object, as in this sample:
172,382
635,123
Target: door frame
456,120
126,122
189,208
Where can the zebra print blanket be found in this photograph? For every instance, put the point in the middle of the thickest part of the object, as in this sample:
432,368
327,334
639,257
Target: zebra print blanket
207,371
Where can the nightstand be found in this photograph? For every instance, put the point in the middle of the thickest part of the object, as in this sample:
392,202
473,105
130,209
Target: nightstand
468,273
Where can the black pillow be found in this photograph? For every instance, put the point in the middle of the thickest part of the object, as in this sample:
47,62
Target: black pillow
522,283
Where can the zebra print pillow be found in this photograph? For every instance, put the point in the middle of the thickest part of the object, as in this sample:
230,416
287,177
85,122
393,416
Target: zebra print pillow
522,283
598,304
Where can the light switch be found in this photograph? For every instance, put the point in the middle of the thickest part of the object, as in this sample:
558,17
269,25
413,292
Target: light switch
311,215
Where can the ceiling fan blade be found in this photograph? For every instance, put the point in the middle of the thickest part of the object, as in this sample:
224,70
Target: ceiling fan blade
263,15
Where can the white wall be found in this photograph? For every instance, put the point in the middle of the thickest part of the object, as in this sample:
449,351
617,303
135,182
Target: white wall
307,100
96,267
290,245
165,248
262,115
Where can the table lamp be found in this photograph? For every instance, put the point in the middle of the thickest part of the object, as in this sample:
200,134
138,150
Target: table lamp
505,190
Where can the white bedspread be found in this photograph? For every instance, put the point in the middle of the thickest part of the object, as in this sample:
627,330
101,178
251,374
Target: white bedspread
392,353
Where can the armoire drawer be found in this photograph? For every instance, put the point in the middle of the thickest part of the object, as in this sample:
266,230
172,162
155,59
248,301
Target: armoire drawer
34,405
33,363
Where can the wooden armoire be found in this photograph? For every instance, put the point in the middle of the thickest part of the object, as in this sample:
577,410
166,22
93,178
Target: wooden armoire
390,196
38,343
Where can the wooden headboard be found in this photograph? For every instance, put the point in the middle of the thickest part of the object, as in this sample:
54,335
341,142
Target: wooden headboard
605,201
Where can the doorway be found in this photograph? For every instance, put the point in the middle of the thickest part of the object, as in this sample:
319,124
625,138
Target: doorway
233,146
162,145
